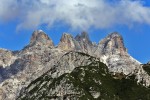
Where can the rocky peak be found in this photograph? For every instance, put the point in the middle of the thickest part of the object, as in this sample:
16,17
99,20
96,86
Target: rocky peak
40,38
83,37
113,44
114,34
65,37
84,42
148,62
67,42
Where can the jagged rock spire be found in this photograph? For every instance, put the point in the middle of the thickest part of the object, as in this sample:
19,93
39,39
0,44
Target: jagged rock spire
83,37
67,42
85,43
112,44
40,38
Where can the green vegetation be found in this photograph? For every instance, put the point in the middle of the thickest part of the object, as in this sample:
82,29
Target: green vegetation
146,67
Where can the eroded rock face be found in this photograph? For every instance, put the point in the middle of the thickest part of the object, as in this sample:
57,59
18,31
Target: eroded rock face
67,42
80,43
112,45
29,66
83,37
40,38
112,52
85,43
30,63
67,63
89,80
6,58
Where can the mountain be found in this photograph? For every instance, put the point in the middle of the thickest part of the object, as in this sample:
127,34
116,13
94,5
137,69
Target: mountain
90,81
40,57
31,62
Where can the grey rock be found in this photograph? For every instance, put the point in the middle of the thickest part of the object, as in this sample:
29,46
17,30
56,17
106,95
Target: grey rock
85,43
6,58
112,52
68,43
40,38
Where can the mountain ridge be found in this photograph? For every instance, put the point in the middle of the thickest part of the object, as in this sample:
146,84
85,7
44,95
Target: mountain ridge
40,55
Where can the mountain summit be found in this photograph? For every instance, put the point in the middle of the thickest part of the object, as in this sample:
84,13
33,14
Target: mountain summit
113,44
67,42
40,38
85,43
83,37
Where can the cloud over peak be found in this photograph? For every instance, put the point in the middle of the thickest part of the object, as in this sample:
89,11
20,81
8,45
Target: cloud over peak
78,14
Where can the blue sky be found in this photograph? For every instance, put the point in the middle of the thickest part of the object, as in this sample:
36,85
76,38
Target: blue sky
131,18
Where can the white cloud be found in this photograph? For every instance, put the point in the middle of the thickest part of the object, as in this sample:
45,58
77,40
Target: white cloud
78,14
8,9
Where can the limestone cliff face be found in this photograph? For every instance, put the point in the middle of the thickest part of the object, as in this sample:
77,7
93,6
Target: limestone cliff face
40,38
62,90
79,76
6,58
85,43
80,43
112,44
31,62
112,52
67,42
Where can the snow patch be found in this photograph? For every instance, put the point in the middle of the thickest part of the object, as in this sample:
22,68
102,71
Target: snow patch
104,59
40,30
95,94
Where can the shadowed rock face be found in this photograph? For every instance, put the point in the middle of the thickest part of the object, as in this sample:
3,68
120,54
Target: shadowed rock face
83,37
85,43
41,55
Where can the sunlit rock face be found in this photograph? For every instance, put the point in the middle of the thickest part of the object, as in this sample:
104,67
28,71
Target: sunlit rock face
40,38
80,43
112,44
30,63
6,58
112,52
19,68
67,42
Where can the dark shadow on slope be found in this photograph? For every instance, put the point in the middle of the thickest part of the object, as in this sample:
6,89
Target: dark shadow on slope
146,67
13,69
